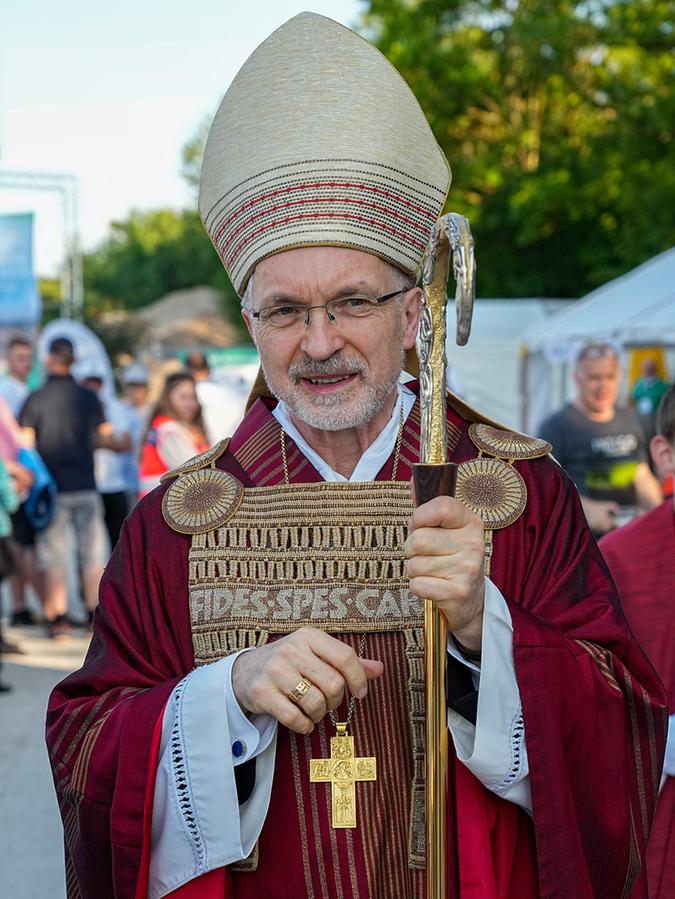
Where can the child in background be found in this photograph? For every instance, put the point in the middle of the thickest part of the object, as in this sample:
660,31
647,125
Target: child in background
9,503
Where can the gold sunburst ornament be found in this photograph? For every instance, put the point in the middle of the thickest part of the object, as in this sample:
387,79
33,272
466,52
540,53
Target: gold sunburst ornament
201,461
493,490
201,500
507,444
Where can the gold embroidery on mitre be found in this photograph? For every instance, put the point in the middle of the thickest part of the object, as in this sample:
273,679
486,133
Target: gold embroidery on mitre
493,490
507,444
196,462
199,501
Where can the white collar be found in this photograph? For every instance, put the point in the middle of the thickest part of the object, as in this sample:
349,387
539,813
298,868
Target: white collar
374,457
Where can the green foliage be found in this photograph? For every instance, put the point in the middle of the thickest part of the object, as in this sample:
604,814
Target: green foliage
557,118
150,254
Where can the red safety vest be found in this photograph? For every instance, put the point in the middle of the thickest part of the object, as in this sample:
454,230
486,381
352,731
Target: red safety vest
152,466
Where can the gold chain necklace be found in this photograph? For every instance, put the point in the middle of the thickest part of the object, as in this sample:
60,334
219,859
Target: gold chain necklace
397,450
352,699
343,769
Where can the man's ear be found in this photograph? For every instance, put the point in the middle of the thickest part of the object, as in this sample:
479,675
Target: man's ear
412,309
663,455
246,315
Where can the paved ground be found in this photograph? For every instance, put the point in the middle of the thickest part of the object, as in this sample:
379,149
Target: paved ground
31,859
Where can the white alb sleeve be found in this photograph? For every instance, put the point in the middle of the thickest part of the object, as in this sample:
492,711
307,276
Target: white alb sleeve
669,760
494,749
197,822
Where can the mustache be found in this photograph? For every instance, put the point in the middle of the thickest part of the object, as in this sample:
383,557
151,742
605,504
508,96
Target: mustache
336,364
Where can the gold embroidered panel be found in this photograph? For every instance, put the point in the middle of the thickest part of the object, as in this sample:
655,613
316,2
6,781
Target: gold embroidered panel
324,555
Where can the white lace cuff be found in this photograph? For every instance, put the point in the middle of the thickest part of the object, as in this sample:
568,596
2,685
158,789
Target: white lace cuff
494,750
197,822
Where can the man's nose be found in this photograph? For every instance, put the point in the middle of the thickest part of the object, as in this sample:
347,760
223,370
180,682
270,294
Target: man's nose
321,338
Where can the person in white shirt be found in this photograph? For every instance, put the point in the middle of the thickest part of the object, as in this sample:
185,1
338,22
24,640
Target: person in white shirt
14,383
14,390
108,468
222,407
136,383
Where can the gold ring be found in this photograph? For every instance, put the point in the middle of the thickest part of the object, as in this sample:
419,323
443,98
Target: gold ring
299,690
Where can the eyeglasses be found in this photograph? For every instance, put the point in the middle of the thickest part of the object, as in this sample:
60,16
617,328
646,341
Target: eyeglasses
341,311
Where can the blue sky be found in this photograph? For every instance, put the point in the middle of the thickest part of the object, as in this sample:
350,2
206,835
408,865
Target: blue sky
110,92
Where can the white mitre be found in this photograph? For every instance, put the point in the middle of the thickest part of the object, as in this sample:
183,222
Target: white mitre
320,142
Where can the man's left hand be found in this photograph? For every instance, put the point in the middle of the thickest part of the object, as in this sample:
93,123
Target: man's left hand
445,550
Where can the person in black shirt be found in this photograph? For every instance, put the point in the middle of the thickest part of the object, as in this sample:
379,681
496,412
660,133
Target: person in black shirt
602,448
65,422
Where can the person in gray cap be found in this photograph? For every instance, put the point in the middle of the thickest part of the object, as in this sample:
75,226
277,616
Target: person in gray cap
136,383
108,460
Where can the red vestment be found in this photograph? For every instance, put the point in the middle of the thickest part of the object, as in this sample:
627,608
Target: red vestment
593,709
641,557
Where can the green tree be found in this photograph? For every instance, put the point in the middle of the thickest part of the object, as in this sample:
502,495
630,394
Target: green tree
150,254
557,118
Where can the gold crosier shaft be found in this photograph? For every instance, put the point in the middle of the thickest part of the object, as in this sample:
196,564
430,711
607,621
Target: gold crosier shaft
435,476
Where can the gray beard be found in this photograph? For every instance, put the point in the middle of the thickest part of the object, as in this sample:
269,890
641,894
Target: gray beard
324,412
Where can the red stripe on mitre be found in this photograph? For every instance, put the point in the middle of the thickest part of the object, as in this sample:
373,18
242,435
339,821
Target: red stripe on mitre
344,216
314,200
398,199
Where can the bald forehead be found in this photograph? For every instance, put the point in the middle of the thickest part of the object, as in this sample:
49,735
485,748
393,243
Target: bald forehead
308,273
598,366
595,351
20,349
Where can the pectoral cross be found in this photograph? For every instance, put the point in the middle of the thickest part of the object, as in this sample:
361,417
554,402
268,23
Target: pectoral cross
342,770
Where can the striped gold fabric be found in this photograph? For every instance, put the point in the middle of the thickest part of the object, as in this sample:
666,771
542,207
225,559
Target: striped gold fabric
329,555
325,555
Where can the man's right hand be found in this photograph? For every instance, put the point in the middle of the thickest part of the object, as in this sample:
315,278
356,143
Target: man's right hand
600,514
263,678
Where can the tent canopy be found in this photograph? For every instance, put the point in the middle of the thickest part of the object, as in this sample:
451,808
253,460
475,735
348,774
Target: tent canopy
486,372
637,308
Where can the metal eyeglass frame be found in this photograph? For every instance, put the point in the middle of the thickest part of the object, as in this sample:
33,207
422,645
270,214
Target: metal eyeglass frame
329,315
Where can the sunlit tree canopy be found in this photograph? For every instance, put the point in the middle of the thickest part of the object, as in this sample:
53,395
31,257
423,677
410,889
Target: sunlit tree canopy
557,118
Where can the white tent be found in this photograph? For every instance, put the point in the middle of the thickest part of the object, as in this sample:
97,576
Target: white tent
486,372
637,309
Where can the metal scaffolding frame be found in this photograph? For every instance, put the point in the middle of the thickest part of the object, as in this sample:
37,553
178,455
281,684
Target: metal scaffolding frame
72,288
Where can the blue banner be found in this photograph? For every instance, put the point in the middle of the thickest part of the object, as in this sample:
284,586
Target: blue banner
20,303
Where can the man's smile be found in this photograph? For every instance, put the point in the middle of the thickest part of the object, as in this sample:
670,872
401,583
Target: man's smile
328,383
